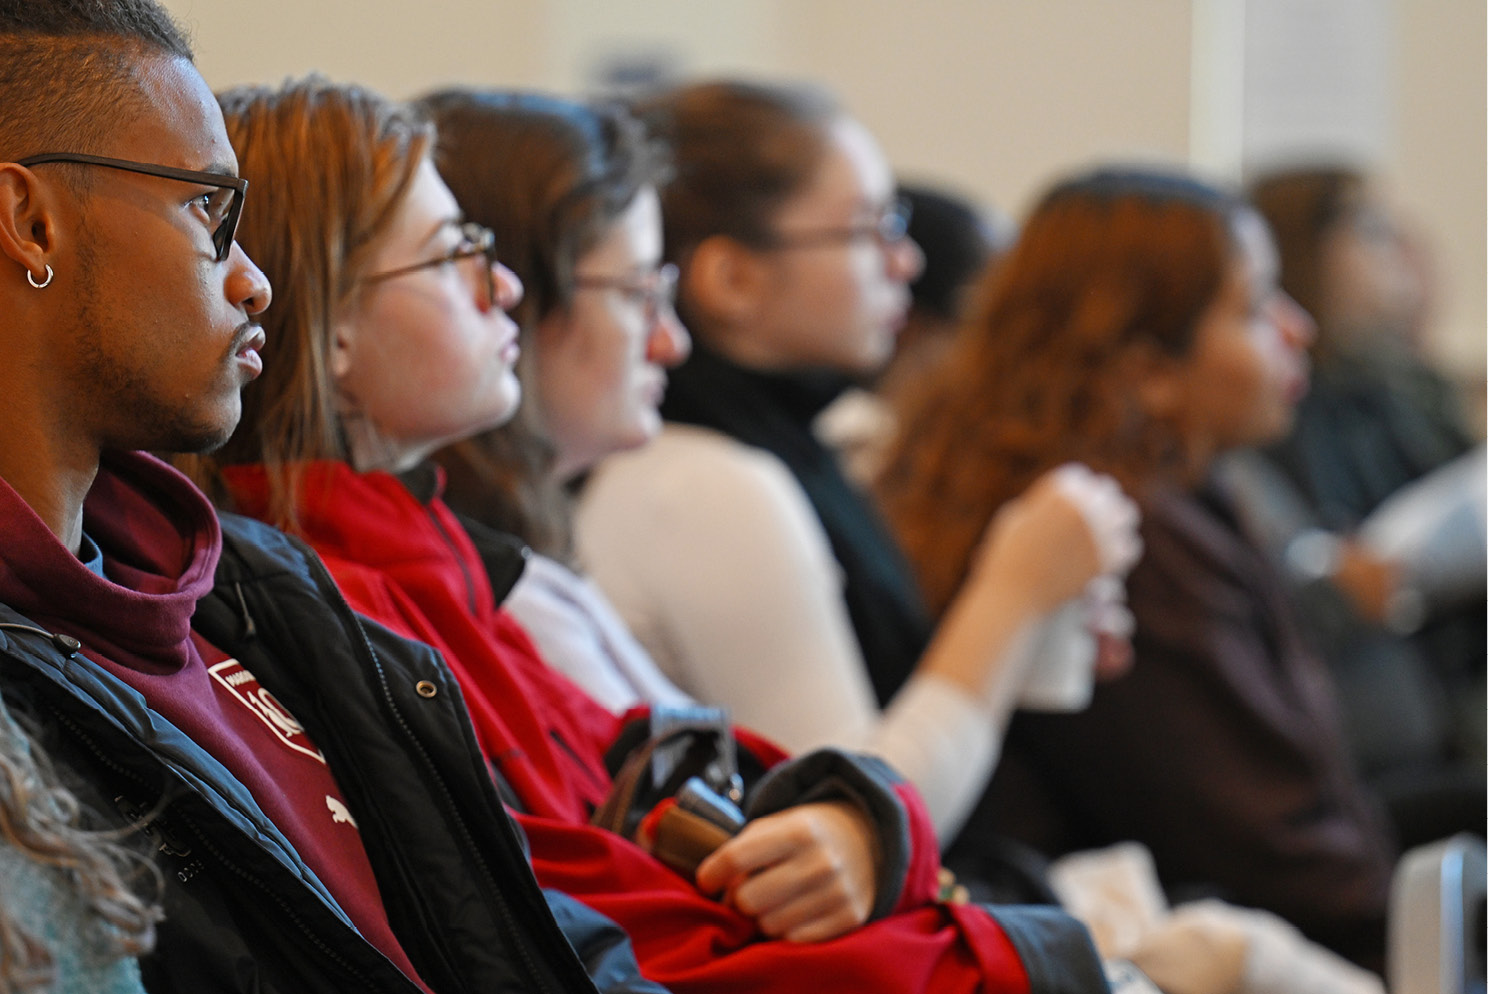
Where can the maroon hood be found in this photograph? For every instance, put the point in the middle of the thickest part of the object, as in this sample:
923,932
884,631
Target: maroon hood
160,543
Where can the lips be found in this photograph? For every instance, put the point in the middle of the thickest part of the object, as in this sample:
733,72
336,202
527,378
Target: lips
897,319
1299,381
510,351
510,348
653,387
1297,389
253,339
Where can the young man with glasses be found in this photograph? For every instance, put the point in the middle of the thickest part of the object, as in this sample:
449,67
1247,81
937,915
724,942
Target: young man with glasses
323,819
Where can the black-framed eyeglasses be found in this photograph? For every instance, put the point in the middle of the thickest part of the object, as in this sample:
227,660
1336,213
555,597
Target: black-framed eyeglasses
889,225
222,235
654,290
475,241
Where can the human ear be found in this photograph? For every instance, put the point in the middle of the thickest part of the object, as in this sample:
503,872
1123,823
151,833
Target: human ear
1160,391
27,224
338,352
1157,381
724,281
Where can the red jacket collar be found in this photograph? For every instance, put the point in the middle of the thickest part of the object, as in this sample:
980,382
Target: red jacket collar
374,519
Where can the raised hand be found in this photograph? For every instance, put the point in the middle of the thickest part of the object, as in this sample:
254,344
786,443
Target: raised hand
1070,526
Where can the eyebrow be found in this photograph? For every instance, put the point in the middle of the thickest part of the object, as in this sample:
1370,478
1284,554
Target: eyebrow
221,169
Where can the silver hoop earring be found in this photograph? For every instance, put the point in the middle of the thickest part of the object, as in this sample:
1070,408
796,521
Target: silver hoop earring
44,283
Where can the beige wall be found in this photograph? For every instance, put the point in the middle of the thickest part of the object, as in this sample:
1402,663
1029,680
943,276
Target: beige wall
999,96
1437,161
993,96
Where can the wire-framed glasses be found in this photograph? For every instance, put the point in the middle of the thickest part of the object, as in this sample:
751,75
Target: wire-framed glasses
888,225
475,241
656,290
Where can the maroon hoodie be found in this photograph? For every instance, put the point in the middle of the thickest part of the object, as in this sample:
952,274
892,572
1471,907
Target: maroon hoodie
160,542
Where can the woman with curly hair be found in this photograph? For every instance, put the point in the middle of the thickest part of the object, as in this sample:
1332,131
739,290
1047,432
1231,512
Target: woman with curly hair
70,919
1138,326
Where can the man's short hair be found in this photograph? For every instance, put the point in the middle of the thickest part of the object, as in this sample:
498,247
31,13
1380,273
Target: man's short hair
68,70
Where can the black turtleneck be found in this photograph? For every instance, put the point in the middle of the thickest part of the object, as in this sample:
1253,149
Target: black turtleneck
774,411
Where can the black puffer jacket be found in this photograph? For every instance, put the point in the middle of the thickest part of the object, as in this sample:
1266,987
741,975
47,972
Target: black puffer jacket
243,912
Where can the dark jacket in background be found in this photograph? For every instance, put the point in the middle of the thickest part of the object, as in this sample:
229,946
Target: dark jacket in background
1220,749
1369,425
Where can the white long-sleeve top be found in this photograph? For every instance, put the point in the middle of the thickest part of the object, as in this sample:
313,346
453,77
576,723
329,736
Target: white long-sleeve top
578,633
711,553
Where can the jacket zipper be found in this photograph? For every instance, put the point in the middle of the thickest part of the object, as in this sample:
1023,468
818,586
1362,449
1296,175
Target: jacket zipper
582,767
139,818
472,851
454,549
288,909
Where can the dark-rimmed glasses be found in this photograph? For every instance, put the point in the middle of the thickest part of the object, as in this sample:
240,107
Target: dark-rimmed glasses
475,240
222,235
889,225
654,290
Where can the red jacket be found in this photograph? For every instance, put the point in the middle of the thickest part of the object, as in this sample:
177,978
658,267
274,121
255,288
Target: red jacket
409,564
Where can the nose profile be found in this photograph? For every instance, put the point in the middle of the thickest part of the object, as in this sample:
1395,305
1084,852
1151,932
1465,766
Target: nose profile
905,258
247,286
668,343
1296,324
508,287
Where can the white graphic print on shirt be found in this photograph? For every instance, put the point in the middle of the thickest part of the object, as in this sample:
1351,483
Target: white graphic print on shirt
244,686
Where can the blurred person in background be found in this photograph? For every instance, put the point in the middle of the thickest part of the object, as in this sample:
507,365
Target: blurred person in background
1138,326
1374,501
756,574
958,240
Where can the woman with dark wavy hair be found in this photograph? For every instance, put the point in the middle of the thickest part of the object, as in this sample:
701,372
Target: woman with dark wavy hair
70,917
1138,325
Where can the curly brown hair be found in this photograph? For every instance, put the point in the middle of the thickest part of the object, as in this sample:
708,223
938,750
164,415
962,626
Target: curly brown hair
1111,273
43,821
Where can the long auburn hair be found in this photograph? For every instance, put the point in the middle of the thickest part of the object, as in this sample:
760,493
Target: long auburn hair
549,176
1112,271
43,821
328,165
